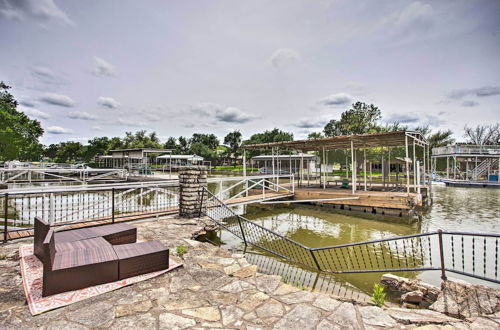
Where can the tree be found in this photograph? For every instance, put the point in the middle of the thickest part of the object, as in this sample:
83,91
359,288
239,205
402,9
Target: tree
171,143
315,135
183,147
69,152
361,119
18,133
233,141
141,140
275,135
483,134
203,150
210,140
97,146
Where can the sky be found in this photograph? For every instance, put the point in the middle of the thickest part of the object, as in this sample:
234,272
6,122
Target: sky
101,68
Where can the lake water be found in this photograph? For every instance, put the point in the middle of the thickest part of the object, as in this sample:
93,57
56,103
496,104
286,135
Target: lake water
453,209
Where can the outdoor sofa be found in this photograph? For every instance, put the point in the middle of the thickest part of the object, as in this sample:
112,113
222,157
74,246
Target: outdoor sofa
80,258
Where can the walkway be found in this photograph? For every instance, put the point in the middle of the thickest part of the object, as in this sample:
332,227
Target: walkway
214,289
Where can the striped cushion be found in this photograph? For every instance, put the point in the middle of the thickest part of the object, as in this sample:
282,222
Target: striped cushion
110,229
125,251
74,235
102,251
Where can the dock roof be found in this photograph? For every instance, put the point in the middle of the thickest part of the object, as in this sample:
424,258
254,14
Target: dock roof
385,139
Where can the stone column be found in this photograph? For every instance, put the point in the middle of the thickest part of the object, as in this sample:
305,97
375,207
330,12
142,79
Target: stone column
192,180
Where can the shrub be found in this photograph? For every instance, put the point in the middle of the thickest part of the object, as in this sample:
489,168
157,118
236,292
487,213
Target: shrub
378,295
180,250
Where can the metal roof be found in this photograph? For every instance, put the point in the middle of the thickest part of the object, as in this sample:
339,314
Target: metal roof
385,139
192,157
148,150
295,157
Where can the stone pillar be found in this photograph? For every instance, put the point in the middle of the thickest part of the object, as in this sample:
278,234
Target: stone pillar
192,180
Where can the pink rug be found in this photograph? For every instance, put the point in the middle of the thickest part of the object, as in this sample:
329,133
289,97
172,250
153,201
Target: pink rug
31,269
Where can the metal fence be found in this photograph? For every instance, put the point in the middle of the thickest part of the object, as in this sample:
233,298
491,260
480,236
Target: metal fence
469,254
76,204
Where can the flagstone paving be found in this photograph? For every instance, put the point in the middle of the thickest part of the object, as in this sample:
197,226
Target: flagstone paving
214,289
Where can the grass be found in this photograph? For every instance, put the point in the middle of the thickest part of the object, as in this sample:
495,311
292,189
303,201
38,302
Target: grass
236,168
180,250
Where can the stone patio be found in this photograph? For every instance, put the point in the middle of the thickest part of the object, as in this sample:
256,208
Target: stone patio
214,289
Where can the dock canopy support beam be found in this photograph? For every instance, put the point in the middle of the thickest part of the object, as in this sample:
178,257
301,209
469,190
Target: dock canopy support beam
353,168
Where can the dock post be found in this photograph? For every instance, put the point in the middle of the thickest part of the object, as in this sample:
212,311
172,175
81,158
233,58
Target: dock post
113,205
353,169
6,215
407,166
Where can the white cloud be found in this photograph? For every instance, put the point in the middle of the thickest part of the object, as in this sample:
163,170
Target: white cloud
47,75
311,123
58,99
103,68
58,130
97,128
149,116
205,109
233,115
108,102
81,115
470,104
41,11
484,91
416,16
284,57
403,118
32,112
129,122
336,99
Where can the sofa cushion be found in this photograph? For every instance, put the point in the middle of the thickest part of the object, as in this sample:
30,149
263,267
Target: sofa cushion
81,244
84,253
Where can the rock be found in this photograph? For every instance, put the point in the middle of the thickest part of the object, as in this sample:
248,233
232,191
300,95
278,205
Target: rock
182,281
327,325
326,303
375,316
249,303
482,323
465,300
184,300
236,286
302,317
272,308
245,272
64,325
137,321
205,313
404,285
419,316
297,297
170,321
141,306
231,314
229,270
285,289
345,316
268,283
93,315
414,297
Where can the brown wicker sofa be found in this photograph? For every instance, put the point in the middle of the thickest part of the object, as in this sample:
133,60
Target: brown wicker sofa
120,233
81,258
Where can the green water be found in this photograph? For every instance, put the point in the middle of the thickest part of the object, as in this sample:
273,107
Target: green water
454,209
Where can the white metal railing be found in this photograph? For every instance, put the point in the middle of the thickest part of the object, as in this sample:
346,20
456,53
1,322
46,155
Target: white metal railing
230,188
467,149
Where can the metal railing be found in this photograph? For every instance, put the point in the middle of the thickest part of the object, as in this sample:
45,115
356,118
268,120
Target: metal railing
467,149
469,254
77,204
230,188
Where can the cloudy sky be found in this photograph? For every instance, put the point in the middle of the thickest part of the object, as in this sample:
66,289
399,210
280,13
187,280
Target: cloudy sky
94,68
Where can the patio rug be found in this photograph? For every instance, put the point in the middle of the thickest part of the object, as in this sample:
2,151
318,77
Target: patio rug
31,269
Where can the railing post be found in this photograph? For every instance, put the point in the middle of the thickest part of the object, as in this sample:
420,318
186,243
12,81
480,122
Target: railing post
201,202
6,206
113,205
441,254
315,260
242,232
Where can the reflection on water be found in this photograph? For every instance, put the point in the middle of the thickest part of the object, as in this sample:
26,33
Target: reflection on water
454,209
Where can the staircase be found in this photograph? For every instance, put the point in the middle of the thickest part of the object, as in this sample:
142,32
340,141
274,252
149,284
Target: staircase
482,168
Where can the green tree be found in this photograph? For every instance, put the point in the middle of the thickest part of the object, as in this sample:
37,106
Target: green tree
18,133
360,119
183,147
141,140
204,151
70,152
275,135
171,143
97,146
210,140
233,142
315,135
483,134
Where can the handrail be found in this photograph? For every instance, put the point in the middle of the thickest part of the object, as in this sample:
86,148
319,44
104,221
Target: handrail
469,254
